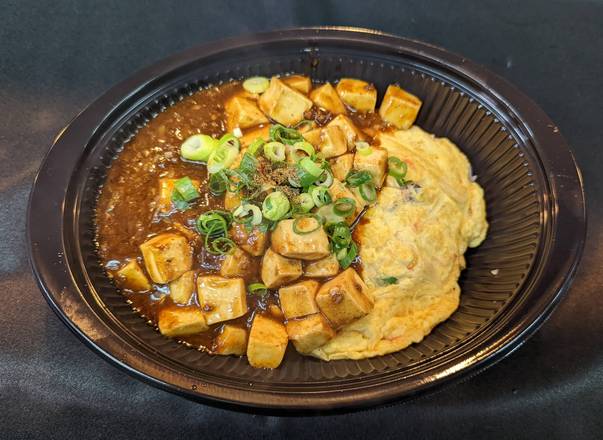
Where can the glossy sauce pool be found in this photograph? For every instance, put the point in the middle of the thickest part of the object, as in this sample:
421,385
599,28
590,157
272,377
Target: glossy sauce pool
126,214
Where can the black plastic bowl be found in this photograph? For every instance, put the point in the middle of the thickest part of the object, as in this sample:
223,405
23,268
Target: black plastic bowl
534,198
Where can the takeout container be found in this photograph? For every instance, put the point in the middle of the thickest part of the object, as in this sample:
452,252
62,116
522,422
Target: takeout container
533,190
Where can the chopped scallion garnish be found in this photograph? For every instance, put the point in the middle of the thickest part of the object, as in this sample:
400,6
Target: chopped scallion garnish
220,245
388,281
344,206
305,202
356,178
275,151
368,192
284,135
248,214
320,195
224,155
347,255
214,225
397,169
186,189
363,148
198,147
218,183
178,201
256,146
275,206
256,84
257,289
306,224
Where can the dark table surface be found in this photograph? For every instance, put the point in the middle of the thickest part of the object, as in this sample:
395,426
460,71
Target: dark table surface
56,58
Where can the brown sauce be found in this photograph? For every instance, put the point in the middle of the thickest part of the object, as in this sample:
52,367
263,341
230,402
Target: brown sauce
127,212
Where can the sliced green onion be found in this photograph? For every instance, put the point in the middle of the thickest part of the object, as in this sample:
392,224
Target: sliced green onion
257,289
248,165
198,147
320,195
220,246
218,183
256,84
303,122
328,216
275,151
310,167
344,206
356,178
301,227
340,235
304,146
224,155
255,147
325,179
214,225
186,189
308,172
305,202
397,169
214,222
347,255
363,148
294,181
284,135
368,192
248,214
275,206
388,281
178,201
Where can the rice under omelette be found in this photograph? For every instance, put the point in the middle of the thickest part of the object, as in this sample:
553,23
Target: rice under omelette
418,235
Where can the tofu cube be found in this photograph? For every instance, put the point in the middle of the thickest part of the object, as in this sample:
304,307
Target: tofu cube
278,270
339,191
255,241
181,321
231,340
132,277
358,94
352,133
326,267
297,299
342,165
267,342
242,113
309,246
237,263
326,97
284,104
221,298
399,107
182,289
166,188
332,142
231,201
253,133
375,163
166,257
309,333
276,311
343,299
313,136
300,83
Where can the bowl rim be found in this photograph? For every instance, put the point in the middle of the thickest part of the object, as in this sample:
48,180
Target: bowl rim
46,233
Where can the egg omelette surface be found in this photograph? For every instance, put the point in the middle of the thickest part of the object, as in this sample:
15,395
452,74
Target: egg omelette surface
414,237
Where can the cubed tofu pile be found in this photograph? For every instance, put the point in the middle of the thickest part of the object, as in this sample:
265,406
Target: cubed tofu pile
315,298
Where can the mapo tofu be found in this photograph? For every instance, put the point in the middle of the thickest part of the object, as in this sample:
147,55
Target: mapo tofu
228,220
